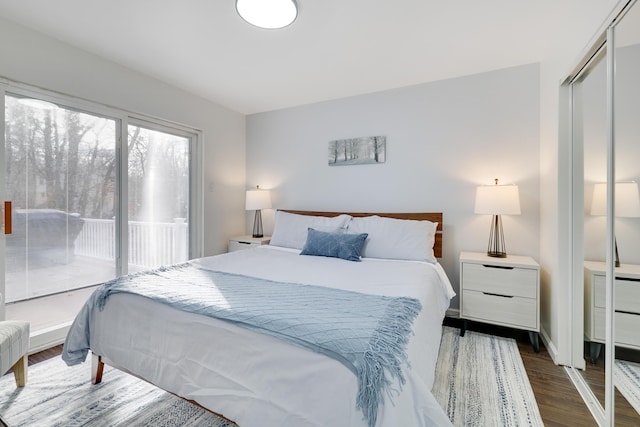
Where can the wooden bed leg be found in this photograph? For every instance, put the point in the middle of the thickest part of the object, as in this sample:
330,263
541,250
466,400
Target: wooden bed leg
97,366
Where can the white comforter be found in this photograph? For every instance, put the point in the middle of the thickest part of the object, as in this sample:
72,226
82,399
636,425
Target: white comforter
259,381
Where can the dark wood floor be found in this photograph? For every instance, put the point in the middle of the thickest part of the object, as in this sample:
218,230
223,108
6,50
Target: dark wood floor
558,400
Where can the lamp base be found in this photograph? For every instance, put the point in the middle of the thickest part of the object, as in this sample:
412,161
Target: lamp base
496,247
497,254
257,224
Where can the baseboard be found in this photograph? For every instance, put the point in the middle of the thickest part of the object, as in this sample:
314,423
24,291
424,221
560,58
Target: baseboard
550,346
47,338
453,312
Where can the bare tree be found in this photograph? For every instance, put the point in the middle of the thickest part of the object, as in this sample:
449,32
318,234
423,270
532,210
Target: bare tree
378,147
333,151
64,159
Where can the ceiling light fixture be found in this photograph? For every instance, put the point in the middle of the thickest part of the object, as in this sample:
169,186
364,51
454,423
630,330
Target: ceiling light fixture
269,14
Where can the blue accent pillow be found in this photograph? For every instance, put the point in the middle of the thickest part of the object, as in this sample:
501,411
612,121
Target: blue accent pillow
336,245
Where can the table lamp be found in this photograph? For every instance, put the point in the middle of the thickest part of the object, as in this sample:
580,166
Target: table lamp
627,203
256,201
497,200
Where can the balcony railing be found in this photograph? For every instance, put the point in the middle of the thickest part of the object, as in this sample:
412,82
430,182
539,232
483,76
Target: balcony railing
151,244
40,262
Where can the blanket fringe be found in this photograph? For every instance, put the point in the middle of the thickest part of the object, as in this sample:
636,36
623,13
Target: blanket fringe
385,357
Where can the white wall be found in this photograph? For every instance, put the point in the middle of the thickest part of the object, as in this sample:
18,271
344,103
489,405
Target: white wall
29,57
443,139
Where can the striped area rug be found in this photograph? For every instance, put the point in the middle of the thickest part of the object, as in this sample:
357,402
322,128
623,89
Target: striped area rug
480,381
60,396
626,377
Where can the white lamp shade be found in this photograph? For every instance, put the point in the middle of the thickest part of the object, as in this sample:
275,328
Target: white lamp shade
267,13
497,200
627,200
258,199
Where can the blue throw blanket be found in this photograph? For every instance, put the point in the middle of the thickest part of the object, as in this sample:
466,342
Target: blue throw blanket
366,333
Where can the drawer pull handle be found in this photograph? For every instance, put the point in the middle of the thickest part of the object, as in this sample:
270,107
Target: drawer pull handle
498,295
244,243
503,267
627,279
626,312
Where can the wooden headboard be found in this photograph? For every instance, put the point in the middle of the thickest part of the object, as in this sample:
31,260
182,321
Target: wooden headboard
419,216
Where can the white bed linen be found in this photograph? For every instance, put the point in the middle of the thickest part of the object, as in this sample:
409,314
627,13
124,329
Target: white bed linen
259,381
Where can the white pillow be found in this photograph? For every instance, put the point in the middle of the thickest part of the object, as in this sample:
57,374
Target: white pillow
392,238
290,230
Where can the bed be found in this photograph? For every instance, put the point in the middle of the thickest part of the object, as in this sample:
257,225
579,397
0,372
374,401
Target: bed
255,378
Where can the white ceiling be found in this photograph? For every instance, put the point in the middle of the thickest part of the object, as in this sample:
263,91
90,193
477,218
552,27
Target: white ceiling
335,48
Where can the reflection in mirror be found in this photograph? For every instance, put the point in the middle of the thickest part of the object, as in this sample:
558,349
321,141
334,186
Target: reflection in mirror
627,225
592,105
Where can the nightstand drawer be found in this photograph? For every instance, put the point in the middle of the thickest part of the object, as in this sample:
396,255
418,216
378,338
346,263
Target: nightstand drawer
628,296
235,245
512,281
627,327
247,242
512,311
627,293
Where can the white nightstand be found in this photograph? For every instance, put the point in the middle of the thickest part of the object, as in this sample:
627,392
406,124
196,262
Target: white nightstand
627,306
501,291
245,242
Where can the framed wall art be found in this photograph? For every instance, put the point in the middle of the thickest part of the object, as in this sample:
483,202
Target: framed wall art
357,151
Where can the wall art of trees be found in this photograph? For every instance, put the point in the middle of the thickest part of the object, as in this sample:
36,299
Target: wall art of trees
357,151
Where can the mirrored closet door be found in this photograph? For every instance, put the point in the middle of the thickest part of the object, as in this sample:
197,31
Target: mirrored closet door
626,127
604,90
590,137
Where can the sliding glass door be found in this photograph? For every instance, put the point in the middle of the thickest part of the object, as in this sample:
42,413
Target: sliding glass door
60,176
96,194
158,196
